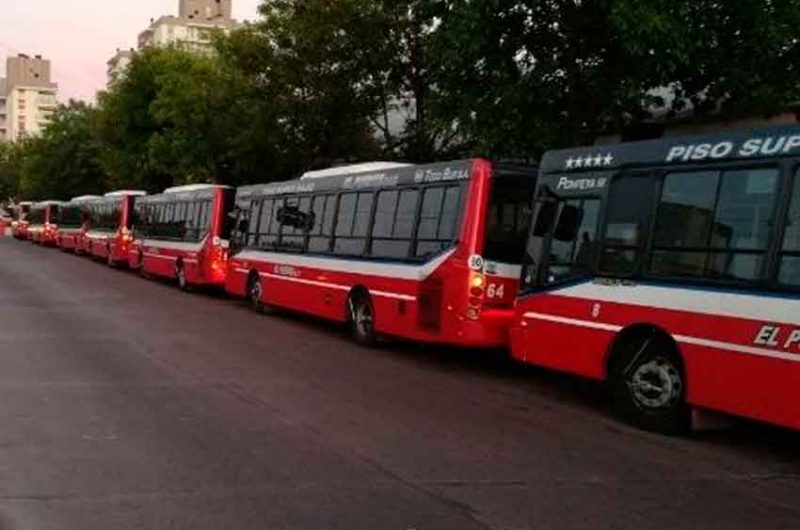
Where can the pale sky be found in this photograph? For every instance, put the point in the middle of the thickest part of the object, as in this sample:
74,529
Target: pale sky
79,36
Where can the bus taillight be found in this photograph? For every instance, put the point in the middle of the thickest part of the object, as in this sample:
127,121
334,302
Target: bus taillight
477,287
219,257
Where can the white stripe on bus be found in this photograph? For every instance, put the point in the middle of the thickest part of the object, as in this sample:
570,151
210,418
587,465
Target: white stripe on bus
684,339
730,304
387,270
337,286
170,245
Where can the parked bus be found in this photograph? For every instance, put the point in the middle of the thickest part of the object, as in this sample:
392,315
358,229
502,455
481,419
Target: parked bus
671,269
183,234
42,220
430,253
73,221
6,217
19,223
109,236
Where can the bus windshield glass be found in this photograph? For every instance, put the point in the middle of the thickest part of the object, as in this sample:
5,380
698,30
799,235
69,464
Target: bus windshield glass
508,218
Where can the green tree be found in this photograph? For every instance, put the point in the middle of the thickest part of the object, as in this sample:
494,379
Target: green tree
11,157
309,102
64,160
515,78
176,117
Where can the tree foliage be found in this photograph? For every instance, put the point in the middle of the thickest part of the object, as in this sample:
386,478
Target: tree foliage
518,77
313,83
63,161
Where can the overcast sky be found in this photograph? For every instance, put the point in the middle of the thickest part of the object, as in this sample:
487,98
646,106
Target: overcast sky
79,36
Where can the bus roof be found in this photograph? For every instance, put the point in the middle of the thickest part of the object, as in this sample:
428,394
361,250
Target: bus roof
351,169
193,187
775,142
84,198
361,180
122,193
44,204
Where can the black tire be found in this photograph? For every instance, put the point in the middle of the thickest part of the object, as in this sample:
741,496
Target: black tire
648,384
254,293
180,277
362,319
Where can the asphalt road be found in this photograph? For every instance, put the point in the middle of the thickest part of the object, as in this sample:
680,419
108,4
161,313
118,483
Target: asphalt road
125,403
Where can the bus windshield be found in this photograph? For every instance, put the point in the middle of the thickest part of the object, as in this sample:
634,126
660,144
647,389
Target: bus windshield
71,217
508,218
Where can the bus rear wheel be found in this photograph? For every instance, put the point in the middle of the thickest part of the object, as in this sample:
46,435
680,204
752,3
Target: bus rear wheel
255,292
648,384
180,275
362,319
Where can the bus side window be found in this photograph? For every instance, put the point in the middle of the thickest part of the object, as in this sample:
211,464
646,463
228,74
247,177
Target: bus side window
439,220
789,268
323,208
352,223
627,220
394,223
715,225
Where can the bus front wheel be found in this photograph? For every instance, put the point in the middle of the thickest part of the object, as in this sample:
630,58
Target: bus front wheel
648,383
362,319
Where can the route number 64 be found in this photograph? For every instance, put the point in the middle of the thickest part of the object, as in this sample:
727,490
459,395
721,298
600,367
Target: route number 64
495,290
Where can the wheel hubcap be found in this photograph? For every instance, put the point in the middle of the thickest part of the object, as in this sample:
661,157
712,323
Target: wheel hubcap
656,384
255,292
363,319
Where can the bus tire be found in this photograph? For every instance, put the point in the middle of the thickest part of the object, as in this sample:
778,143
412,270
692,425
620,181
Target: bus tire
254,293
648,384
180,277
362,318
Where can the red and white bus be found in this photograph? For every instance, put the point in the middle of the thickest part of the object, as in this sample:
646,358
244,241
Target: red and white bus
109,236
19,223
73,221
430,253
183,234
42,222
6,218
671,269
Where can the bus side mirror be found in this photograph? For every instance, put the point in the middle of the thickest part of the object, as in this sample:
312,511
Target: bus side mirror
568,223
242,226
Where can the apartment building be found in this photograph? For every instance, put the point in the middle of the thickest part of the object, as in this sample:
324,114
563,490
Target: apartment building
27,97
193,28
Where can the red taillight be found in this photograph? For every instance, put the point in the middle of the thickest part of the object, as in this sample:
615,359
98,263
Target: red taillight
477,284
219,257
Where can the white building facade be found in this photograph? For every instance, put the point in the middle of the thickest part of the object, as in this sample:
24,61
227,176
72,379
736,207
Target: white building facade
192,29
27,97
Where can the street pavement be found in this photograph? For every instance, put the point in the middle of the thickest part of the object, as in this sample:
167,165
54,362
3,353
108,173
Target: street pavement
125,403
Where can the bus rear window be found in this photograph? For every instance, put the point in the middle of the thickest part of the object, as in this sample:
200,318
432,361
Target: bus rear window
508,218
